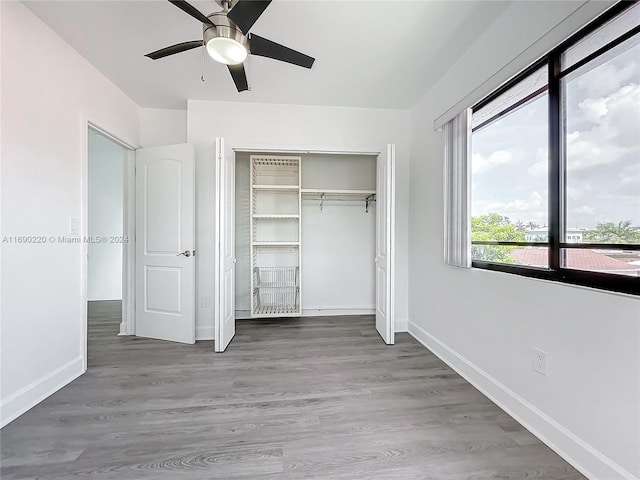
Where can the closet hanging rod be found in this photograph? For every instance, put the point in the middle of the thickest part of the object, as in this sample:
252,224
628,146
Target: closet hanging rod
331,199
322,198
348,192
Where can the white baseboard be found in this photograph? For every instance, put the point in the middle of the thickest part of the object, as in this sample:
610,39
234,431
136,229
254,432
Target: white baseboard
29,396
402,325
123,329
336,310
585,458
205,333
321,312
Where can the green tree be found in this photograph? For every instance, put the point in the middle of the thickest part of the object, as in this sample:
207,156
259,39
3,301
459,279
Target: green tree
610,232
494,227
532,225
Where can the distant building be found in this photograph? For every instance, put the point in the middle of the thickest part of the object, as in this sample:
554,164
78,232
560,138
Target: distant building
574,235
580,259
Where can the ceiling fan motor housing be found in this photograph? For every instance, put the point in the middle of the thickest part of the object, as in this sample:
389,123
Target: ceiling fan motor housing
224,28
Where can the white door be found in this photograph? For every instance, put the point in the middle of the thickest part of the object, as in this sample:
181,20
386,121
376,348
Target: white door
385,215
224,280
165,266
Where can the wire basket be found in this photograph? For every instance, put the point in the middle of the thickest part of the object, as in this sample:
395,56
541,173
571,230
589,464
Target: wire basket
276,290
275,276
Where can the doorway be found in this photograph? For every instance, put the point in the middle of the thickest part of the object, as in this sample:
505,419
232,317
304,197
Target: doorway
105,237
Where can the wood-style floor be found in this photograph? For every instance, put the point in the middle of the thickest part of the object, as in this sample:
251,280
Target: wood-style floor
305,398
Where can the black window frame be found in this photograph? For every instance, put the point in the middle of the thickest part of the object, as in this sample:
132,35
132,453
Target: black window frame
556,176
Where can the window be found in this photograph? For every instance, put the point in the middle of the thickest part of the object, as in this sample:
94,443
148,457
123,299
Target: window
509,141
555,162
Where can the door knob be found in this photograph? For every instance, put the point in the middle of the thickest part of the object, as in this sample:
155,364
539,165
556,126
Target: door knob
186,253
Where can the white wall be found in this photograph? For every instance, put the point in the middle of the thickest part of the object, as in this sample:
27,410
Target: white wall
338,252
291,127
105,217
487,324
162,126
48,93
338,243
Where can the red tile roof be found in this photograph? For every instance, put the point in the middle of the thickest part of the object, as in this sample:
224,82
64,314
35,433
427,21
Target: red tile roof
582,259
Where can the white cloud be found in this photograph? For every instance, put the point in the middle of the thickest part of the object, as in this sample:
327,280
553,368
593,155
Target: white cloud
533,208
541,166
593,109
629,182
585,209
519,205
630,174
615,135
576,193
624,116
480,163
601,81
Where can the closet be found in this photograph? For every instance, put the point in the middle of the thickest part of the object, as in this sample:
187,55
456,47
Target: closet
305,234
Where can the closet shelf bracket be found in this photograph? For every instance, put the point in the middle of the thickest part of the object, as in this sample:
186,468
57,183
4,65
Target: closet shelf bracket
367,201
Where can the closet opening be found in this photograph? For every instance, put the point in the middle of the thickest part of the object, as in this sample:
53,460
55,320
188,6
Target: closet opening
305,234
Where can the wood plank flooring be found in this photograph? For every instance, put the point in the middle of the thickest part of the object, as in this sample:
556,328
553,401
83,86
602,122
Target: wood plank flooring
306,398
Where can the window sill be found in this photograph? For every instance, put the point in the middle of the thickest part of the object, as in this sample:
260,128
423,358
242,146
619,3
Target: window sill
606,283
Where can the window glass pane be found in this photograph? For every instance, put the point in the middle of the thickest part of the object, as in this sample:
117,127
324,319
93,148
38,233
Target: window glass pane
522,90
620,25
605,261
602,198
509,183
529,256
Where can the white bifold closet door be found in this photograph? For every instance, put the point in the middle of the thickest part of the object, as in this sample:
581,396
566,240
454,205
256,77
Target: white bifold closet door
385,220
165,264
224,258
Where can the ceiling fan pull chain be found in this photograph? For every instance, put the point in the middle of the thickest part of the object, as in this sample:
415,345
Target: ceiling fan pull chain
202,77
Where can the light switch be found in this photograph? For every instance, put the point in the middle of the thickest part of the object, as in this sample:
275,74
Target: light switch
74,228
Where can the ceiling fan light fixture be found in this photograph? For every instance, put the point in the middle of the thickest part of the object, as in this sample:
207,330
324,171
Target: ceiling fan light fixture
226,50
224,42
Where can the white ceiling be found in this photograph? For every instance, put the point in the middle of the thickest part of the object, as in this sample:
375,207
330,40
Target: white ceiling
368,53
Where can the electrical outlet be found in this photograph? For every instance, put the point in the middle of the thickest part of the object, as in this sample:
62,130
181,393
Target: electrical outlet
540,363
205,301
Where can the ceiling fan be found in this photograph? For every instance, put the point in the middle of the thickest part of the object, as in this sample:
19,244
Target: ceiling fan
227,39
